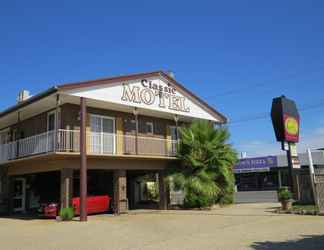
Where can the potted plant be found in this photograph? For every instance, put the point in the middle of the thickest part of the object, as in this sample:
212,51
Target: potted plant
284,196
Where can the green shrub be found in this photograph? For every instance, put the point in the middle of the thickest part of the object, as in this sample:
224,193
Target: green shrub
67,213
284,194
226,197
204,171
193,200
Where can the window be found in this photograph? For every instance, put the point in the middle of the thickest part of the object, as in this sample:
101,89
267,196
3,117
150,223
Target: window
51,121
4,136
133,125
149,128
174,133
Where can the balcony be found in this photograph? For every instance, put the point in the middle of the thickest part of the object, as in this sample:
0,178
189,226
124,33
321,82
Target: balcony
68,141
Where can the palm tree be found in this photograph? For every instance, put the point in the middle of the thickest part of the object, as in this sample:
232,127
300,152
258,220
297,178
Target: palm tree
205,172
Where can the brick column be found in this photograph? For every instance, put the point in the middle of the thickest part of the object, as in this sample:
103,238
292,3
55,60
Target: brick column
4,195
10,186
163,191
120,192
66,187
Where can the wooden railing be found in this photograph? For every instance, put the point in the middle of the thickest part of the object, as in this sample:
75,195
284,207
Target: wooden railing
97,144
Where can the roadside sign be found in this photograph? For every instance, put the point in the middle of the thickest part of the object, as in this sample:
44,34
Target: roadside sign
295,162
293,150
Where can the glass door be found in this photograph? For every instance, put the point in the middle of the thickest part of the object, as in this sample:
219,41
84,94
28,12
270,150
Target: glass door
19,195
95,138
174,138
51,127
108,135
102,134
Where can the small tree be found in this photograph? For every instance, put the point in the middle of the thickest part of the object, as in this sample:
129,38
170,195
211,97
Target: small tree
205,172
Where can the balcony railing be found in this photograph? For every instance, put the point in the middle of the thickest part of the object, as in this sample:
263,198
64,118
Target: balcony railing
97,144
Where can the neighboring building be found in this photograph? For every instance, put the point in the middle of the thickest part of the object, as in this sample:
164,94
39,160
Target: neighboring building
270,172
131,136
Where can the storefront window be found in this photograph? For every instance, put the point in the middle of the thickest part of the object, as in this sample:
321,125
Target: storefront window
257,181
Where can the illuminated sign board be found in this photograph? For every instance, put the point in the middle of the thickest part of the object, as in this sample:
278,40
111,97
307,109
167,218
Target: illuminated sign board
291,125
285,119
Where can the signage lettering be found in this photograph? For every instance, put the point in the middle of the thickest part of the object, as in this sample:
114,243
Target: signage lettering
149,93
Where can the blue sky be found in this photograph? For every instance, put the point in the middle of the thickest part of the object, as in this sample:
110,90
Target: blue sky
237,55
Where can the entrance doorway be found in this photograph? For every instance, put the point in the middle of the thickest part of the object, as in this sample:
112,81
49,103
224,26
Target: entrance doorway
19,195
142,190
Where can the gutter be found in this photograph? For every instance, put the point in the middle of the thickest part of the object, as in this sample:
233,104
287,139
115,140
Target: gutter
29,101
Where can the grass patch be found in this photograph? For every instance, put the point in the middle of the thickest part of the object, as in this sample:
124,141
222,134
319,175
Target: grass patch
302,207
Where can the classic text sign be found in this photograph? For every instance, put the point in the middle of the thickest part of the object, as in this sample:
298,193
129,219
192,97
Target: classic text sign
150,93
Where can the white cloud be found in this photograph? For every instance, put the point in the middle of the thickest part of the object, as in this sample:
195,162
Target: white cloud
313,139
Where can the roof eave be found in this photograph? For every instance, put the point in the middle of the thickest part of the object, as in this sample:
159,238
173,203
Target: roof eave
222,118
29,101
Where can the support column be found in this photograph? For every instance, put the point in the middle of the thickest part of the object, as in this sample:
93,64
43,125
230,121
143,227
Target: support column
4,201
163,191
10,186
120,192
66,187
83,165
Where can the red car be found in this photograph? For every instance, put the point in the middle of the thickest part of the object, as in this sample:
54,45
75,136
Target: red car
95,204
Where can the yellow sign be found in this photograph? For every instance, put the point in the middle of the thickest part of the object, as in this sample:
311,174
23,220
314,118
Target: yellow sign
291,125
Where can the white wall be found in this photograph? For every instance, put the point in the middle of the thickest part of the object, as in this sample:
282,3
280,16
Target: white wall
113,93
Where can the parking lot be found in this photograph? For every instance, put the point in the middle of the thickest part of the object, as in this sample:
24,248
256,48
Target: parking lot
243,226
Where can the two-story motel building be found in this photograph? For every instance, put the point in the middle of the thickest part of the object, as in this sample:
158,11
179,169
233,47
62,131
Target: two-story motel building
130,130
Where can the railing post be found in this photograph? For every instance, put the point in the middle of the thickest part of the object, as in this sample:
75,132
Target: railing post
57,123
18,134
47,143
176,119
136,130
83,166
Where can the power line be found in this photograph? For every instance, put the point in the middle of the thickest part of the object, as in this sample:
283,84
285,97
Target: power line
266,115
260,85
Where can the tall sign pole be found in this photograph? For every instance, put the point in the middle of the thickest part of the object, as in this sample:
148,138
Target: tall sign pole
286,123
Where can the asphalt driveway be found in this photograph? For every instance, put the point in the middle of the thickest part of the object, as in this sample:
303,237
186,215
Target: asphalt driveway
243,226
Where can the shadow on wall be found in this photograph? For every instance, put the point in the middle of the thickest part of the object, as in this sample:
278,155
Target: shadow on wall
308,242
